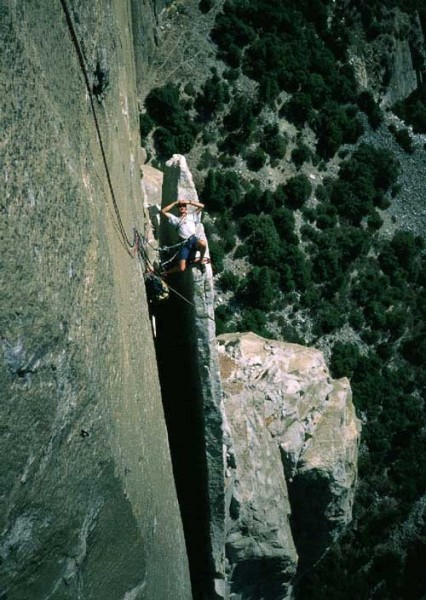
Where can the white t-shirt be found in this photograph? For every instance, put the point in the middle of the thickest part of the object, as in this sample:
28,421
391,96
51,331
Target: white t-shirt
185,226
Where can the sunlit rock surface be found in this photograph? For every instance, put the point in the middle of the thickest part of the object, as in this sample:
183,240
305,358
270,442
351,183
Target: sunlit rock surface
291,461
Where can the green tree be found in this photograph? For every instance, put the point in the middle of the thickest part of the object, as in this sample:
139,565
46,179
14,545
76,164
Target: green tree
414,349
370,107
299,108
298,189
300,155
253,319
344,359
213,97
264,242
260,288
145,125
221,190
176,131
256,159
272,142
284,222
335,125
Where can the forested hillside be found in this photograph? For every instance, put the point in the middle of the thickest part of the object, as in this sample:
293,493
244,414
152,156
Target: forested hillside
300,168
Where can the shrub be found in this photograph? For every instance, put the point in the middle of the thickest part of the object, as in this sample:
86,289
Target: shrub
260,288
228,281
145,125
370,107
254,320
264,242
221,190
298,189
256,159
344,359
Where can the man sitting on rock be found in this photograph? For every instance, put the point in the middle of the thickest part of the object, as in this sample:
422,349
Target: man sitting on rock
186,226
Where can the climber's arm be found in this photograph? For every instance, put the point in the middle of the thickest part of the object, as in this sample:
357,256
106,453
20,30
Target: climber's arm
198,205
166,209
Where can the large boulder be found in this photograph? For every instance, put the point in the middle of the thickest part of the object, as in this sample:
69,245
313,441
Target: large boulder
292,460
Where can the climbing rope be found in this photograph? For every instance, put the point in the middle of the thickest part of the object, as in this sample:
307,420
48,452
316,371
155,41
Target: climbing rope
82,62
139,245
139,242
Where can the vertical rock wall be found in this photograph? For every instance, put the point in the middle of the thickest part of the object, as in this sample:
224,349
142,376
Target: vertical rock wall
193,395
145,15
88,507
393,63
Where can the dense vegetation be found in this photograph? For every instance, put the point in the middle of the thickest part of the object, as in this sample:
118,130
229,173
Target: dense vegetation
318,250
413,109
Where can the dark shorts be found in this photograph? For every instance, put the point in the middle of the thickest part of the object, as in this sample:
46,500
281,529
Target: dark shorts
188,251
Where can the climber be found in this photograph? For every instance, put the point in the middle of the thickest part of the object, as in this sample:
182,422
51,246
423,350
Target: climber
186,227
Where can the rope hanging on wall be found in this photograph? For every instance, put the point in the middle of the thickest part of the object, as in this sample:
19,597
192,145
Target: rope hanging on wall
83,67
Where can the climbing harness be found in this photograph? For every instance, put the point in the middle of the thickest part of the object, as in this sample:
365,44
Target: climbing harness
152,273
157,289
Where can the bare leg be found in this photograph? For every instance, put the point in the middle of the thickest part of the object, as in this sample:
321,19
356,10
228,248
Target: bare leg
179,268
202,247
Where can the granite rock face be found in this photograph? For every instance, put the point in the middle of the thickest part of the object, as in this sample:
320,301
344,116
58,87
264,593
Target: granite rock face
390,65
192,392
88,505
291,460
